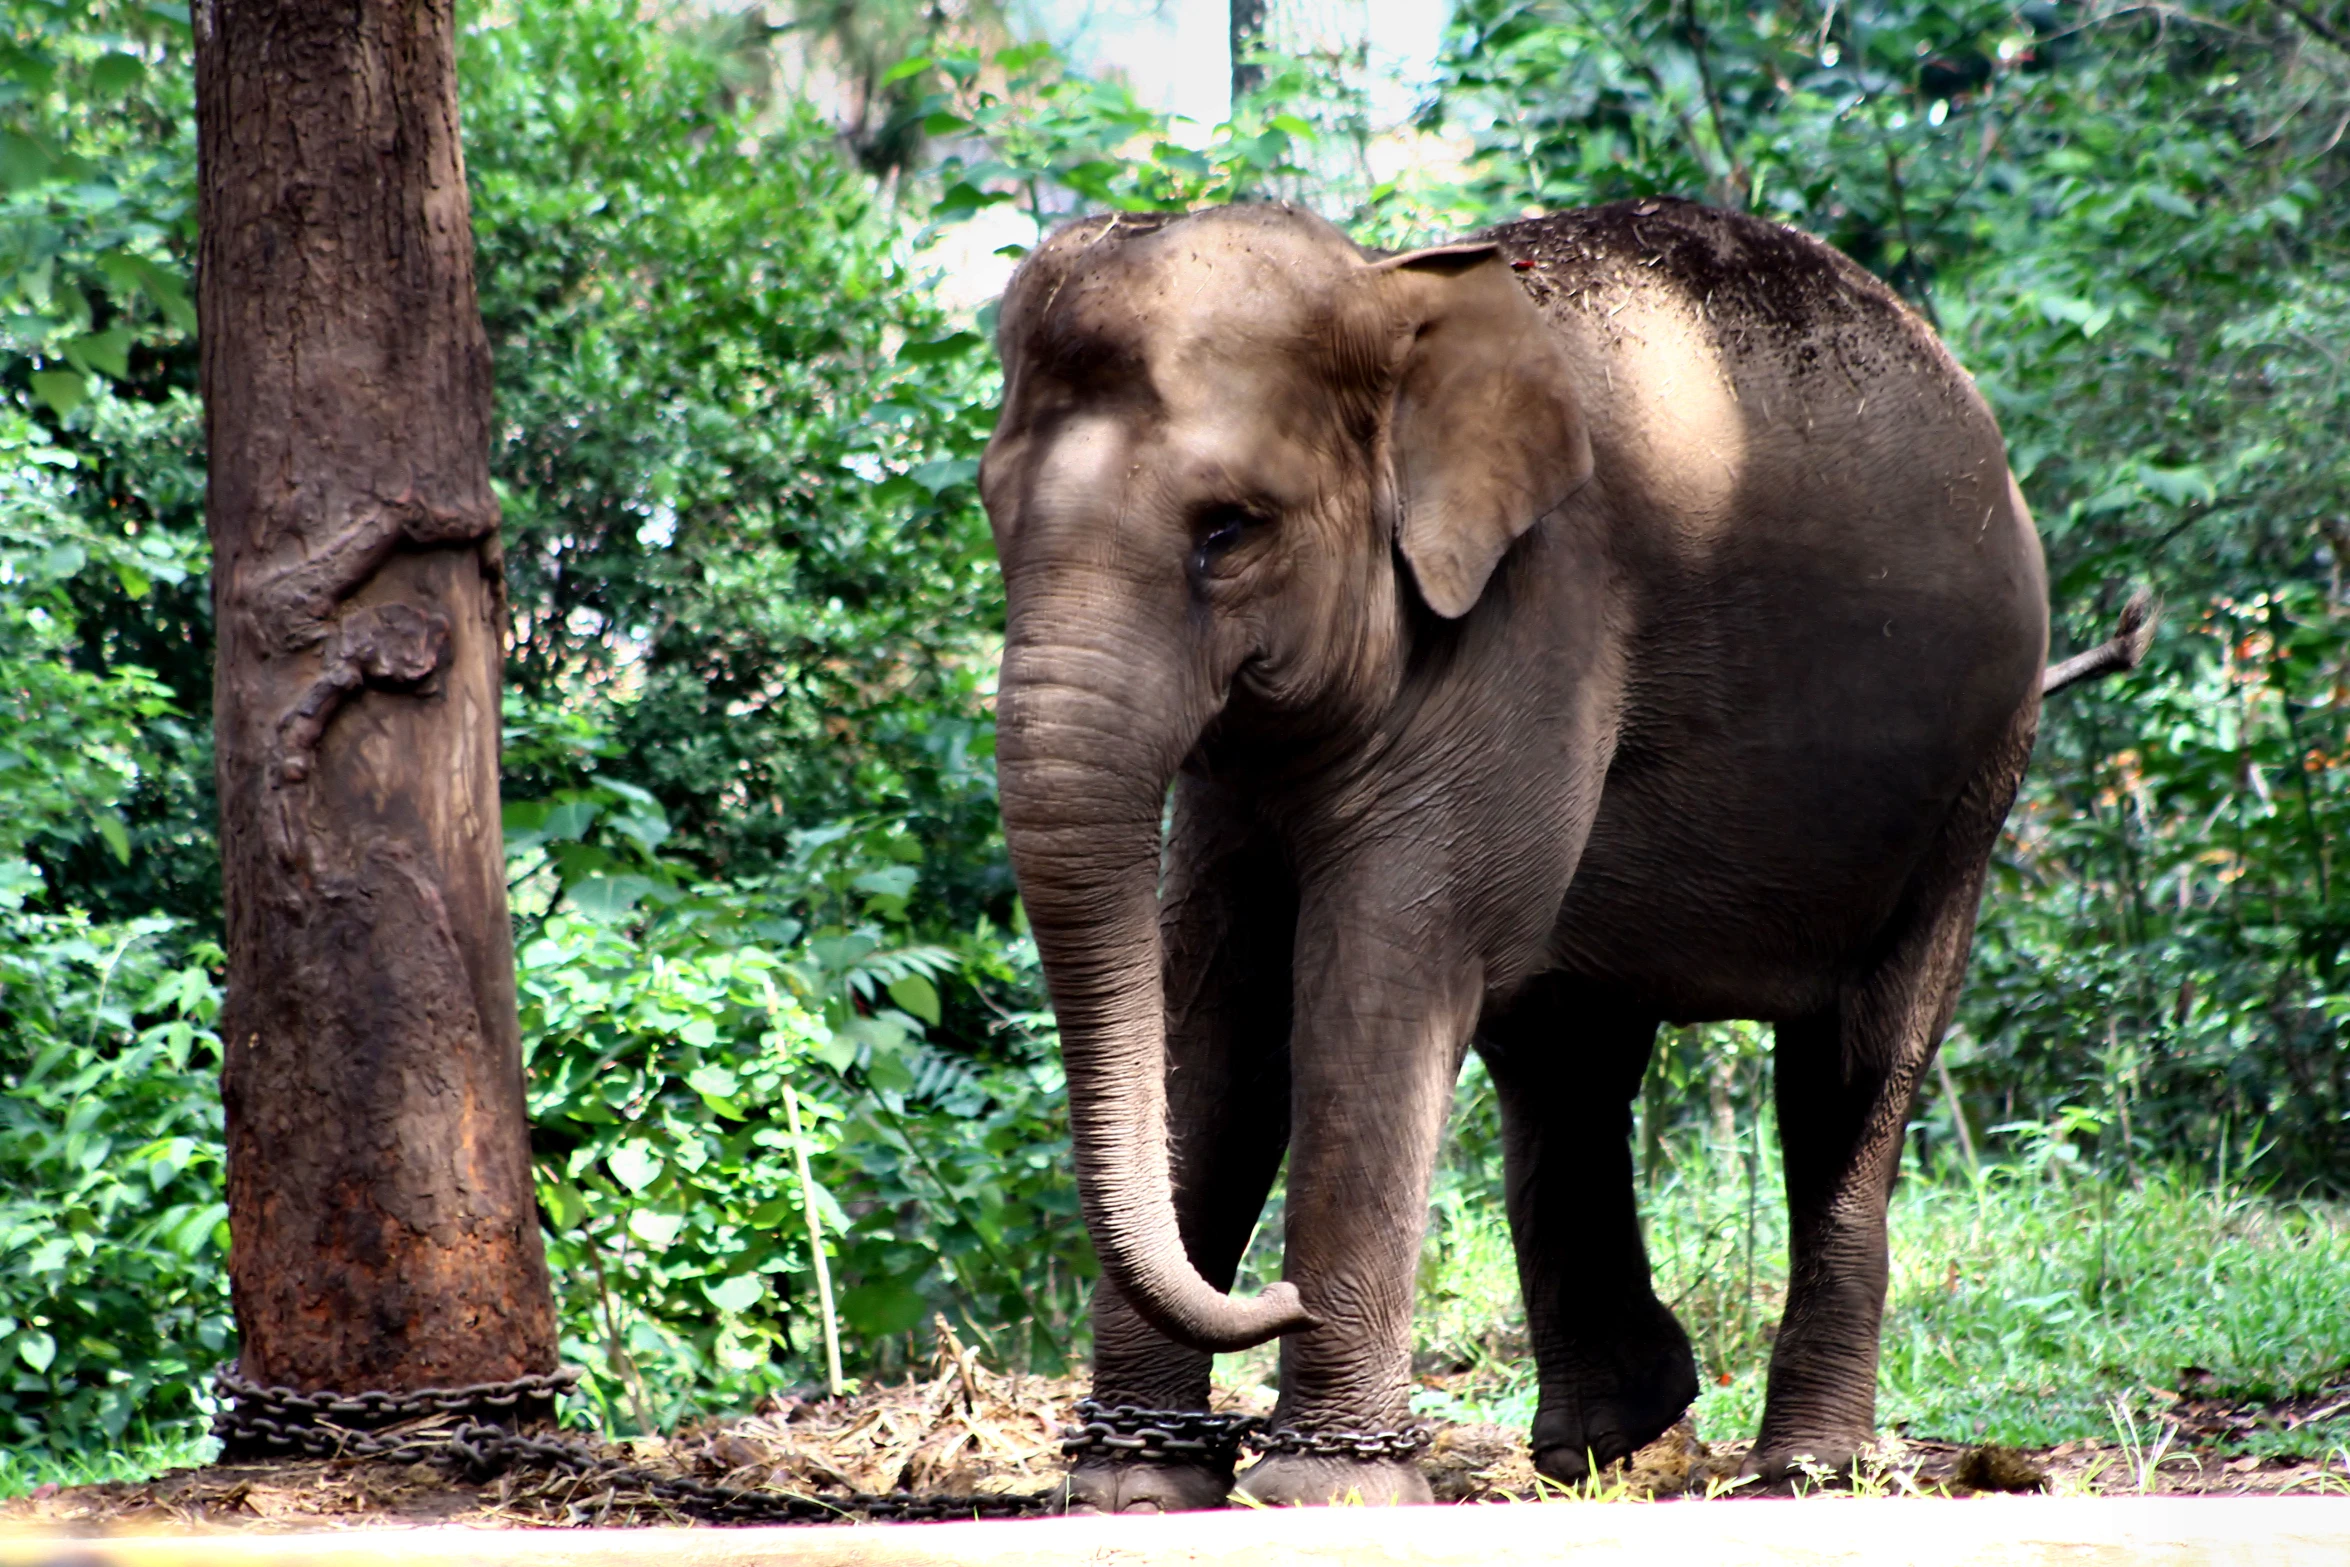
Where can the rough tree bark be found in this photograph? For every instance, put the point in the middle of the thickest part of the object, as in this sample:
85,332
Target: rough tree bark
383,1227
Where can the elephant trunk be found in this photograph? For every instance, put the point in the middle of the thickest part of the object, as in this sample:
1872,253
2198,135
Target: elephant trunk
1085,748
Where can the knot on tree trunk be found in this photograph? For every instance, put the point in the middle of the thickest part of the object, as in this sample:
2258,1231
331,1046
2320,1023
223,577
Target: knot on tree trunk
293,606
391,647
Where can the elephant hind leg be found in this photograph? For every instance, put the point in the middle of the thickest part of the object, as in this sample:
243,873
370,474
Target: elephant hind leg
1615,1366
1846,1081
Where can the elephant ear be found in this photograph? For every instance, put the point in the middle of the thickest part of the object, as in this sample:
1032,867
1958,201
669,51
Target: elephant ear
1485,435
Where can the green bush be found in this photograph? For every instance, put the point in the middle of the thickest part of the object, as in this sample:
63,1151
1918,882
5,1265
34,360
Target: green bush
666,1023
113,1235
736,448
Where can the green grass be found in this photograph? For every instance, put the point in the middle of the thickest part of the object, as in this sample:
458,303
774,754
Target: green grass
2022,1308
2025,1299
129,1459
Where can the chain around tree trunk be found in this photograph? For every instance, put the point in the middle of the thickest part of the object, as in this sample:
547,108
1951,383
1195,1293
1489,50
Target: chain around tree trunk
280,1422
453,1427
457,1429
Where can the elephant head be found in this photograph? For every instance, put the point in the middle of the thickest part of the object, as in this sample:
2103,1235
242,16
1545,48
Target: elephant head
1234,450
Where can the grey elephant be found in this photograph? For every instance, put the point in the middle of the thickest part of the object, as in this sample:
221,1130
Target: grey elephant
1624,617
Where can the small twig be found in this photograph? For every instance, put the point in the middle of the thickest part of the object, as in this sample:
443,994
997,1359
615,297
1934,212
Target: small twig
1909,244
1694,33
98,1006
2322,29
816,1258
623,1366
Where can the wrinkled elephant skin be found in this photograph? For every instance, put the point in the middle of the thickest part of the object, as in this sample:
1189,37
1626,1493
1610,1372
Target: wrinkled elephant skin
1625,617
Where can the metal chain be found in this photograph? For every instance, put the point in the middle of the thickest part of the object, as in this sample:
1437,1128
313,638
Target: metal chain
1129,1432
395,1427
440,1425
1399,1445
444,1426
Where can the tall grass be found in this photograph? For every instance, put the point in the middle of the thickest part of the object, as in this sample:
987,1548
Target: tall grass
2026,1296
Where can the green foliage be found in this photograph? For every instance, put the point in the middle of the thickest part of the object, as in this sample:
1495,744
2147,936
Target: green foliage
97,190
141,608
70,738
113,1298
112,1234
97,203
736,450
1055,144
2169,943
667,1019
756,613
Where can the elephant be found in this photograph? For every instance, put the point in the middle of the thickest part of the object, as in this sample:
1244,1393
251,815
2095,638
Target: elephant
1622,617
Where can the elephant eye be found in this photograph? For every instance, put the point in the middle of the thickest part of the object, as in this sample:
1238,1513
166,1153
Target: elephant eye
1219,527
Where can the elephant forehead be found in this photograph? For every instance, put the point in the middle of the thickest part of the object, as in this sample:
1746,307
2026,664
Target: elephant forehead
1198,291
1083,465
1100,472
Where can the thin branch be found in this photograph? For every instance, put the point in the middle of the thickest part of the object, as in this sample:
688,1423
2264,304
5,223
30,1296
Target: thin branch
1656,83
2323,30
1693,33
1909,244
1952,1098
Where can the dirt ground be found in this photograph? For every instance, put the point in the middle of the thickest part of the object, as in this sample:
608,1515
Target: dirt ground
970,1431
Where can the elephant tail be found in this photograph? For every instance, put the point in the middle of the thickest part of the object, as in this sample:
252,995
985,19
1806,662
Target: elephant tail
2123,651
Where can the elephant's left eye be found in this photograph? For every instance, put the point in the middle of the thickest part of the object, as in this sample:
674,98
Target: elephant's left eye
1220,527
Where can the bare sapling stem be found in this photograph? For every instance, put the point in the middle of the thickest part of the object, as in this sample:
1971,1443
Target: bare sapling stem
616,1355
799,1148
1966,1139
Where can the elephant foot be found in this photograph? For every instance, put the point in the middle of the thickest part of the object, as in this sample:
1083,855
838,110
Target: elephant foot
1602,1422
1304,1480
1818,1460
1144,1488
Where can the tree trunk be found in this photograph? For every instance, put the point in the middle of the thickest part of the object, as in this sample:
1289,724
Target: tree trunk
384,1232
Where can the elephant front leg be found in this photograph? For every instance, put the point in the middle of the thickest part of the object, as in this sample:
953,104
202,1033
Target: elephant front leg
1375,1047
1614,1363
1229,914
